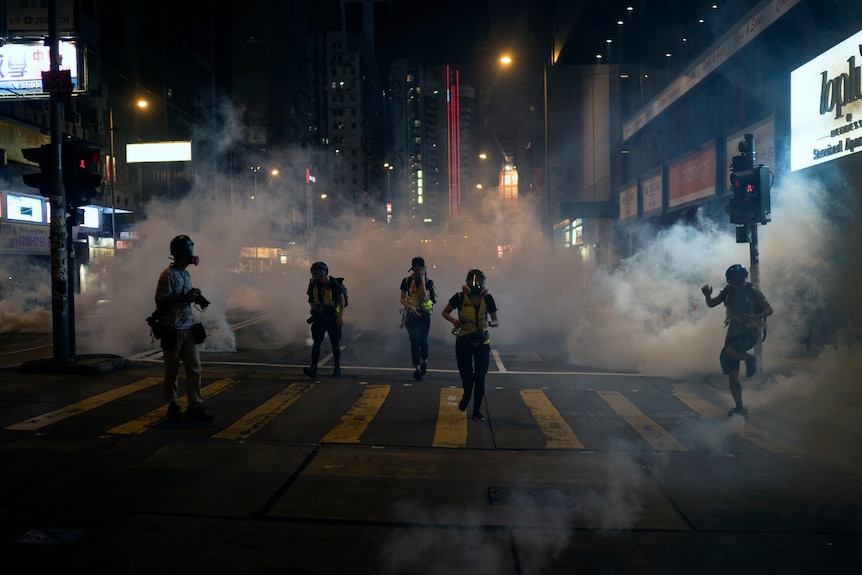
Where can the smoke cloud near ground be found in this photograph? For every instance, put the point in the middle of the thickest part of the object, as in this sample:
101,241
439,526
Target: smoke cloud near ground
646,314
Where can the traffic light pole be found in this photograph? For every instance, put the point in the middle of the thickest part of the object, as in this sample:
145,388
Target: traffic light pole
754,257
59,234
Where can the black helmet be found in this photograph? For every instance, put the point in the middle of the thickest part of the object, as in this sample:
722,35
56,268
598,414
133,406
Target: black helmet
475,281
321,266
417,262
736,271
182,247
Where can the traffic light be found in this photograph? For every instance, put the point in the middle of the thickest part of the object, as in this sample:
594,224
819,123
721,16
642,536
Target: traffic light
80,173
41,156
750,203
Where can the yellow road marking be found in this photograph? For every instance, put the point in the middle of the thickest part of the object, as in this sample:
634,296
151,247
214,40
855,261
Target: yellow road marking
84,405
451,430
266,412
356,420
749,432
558,434
655,435
141,424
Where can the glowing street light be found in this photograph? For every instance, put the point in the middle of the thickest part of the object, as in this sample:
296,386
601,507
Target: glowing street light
546,171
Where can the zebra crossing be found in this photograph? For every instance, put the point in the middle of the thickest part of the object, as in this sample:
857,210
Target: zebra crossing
452,428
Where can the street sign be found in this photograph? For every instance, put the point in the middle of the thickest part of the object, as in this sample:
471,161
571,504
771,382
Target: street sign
22,65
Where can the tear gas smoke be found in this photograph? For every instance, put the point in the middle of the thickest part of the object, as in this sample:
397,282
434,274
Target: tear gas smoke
645,314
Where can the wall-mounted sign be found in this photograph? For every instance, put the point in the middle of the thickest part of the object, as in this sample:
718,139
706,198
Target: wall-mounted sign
652,191
629,202
21,67
826,106
692,179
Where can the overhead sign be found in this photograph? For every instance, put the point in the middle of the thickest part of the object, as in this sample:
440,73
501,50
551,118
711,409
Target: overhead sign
21,67
826,106
751,26
31,18
159,152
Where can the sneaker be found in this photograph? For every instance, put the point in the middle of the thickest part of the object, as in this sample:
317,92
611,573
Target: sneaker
738,410
312,373
197,413
465,401
174,411
423,368
750,365
336,372
478,417
417,375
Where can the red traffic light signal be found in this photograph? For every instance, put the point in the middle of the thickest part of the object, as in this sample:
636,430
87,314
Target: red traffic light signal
80,173
750,203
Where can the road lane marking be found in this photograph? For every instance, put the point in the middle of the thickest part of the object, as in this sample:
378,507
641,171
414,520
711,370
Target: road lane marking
354,423
558,434
496,355
754,435
141,424
654,434
451,429
84,405
257,418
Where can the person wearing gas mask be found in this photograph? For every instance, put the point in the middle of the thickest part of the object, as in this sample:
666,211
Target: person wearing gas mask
174,298
477,311
418,299
326,302
746,309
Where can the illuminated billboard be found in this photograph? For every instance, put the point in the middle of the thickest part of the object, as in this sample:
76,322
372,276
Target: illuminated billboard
826,106
180,151
21,67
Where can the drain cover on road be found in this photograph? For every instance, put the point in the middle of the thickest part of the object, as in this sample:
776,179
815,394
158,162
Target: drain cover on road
531,495
50,536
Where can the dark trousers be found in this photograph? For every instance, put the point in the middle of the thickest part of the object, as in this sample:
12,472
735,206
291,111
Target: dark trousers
418,328
318,330
473,361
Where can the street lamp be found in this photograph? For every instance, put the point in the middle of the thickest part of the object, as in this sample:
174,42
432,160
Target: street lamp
507,60
142,104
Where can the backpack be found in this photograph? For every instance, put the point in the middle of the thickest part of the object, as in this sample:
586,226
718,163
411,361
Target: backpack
343,288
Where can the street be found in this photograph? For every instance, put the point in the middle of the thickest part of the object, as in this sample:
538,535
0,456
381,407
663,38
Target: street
575,469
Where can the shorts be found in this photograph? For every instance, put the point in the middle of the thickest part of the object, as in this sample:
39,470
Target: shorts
740,343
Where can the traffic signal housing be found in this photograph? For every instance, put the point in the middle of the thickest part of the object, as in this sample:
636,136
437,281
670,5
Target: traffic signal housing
81,177
750,203
41,156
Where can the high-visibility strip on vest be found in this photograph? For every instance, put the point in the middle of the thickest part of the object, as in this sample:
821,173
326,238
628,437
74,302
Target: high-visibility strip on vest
413,296
469,316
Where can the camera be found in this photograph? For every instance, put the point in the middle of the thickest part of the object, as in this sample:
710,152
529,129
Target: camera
201,301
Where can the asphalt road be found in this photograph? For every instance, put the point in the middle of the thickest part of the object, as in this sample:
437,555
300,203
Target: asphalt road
574,470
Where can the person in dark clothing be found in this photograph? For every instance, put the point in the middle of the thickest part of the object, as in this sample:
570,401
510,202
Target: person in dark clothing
473,342
746,309
418,299
326,300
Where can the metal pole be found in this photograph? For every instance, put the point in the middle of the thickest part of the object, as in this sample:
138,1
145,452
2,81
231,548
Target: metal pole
549,224
59,231
113,177
754,257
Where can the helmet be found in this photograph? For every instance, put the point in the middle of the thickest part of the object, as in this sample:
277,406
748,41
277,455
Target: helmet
736,271
417,262
475,281
319,266
182,247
